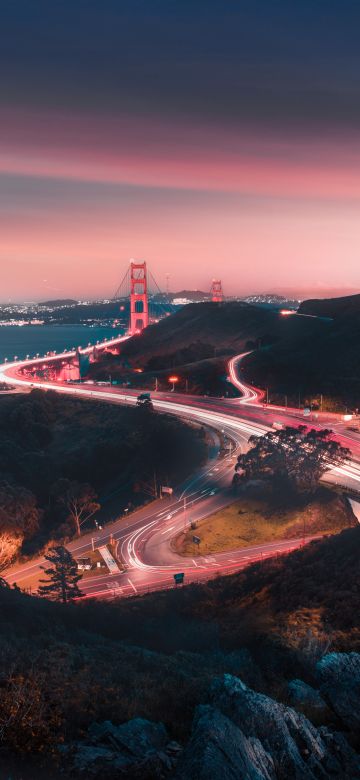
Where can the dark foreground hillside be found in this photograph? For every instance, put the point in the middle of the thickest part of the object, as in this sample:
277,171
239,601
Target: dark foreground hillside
159,657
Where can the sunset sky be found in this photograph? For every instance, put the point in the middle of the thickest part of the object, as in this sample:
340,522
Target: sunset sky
211,138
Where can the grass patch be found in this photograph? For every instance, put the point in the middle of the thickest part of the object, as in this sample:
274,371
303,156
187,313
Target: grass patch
251,521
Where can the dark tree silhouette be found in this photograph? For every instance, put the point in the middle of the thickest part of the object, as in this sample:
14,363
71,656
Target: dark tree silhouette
63,578
297,457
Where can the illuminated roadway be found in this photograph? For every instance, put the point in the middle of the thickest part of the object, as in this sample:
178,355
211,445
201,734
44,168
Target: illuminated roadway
144,537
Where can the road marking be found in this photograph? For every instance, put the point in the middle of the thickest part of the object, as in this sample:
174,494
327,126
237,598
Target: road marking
167,530
132,585
194,562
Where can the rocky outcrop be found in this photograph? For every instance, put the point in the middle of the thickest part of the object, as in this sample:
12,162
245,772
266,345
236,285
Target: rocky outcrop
219,749
138,749
248,731
339,679
303,697
240,734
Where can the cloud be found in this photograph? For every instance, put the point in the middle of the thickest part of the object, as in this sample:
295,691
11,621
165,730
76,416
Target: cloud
164,155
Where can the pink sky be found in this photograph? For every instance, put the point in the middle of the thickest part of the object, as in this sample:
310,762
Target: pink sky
80,196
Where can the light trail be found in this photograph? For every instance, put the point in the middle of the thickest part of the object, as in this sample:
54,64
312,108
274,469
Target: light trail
147,532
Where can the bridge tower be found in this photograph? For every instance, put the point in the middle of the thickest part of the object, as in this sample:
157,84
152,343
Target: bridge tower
217,295
139,307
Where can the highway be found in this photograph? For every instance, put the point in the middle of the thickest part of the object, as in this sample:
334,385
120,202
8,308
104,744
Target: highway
143,539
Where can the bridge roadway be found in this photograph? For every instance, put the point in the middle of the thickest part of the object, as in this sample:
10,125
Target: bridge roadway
144,537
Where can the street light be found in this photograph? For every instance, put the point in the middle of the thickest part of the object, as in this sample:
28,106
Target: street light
173,380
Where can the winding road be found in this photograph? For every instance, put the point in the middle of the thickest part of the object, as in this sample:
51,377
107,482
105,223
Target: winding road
143,538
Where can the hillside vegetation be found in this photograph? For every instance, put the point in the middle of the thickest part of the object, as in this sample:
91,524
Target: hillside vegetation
301,357
226,327
155,656
335,308
196,342
328,364
257,519
51,445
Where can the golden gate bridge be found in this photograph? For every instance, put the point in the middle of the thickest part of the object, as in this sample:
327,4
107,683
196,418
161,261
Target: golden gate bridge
139,287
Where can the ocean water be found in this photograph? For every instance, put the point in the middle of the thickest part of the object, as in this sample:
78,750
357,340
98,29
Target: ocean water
30,339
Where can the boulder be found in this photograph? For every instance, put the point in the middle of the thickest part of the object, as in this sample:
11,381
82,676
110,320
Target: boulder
298,748
92,761
303,697
339,679
219,749
136,737
136,749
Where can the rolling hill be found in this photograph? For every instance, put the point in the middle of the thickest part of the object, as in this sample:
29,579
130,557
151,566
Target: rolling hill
310,354
195,342
326,364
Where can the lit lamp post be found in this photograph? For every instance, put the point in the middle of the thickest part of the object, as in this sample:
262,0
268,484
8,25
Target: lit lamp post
173,380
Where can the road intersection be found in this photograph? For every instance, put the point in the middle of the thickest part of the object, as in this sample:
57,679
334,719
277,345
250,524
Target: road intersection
143,538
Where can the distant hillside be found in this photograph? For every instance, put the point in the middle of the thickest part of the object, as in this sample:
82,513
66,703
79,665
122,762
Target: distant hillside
291,355
347,306
227,328
197,339
195,342
58,302
328,364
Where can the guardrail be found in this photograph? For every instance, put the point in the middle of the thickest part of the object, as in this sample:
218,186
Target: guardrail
339,486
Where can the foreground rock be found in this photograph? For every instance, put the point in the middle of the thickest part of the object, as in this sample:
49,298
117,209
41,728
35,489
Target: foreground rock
245,734
339,678
303,697
218,749
137,749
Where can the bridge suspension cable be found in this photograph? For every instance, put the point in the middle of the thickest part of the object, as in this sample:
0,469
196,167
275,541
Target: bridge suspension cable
139,287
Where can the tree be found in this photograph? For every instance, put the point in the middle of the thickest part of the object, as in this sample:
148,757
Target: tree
79,499
296,457
18,510
19,520
63,578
